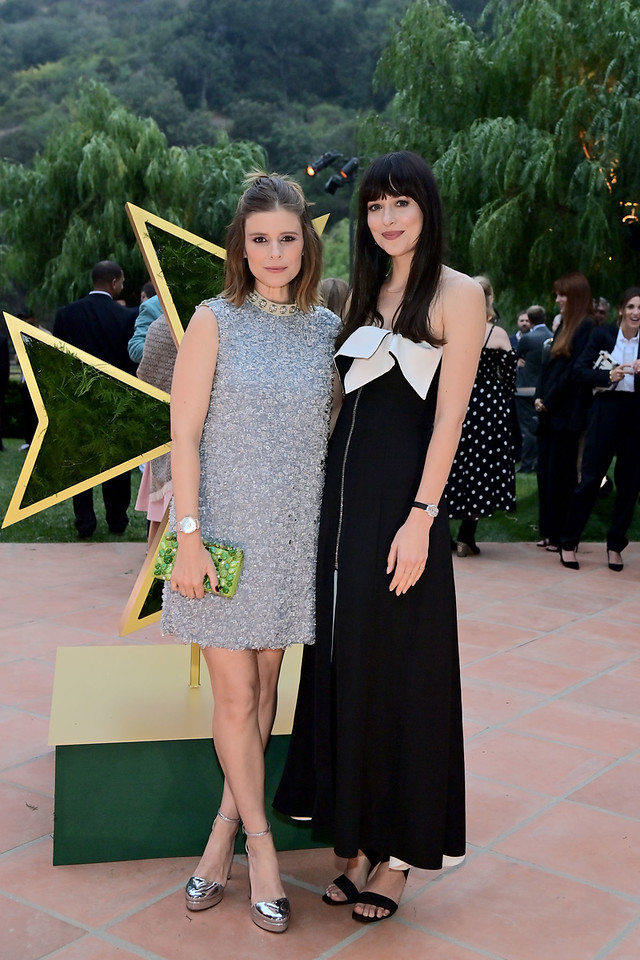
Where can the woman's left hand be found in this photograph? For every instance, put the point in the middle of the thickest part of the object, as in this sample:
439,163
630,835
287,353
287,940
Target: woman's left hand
409,551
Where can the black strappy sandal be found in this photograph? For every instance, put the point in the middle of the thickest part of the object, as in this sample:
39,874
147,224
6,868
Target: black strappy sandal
348,887
376,900
345,886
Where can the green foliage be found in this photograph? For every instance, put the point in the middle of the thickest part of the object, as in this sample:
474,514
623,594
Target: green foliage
192,274
336,250
529,122
187,64
67,212
87,410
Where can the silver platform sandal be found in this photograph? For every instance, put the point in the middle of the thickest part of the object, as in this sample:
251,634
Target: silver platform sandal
272,915
200,894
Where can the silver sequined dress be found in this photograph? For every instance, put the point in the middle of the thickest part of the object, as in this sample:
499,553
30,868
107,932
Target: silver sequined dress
262,459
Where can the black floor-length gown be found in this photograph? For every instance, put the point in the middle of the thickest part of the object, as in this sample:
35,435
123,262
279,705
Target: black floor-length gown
376,752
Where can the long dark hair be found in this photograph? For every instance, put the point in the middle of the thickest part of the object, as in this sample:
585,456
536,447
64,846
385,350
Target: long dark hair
264,193
575,287
402,174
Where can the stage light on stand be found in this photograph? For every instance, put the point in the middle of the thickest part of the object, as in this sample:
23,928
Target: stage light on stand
347,174
327,158
333,183
348,171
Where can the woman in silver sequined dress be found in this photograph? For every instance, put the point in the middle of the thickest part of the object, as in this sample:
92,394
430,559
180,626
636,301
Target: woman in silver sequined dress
249,408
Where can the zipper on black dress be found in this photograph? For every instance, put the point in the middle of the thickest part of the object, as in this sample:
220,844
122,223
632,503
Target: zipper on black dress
344,467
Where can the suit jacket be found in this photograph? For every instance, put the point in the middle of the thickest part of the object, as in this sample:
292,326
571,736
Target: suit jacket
567,400
99,325
4,364
529,349
600,338
4,377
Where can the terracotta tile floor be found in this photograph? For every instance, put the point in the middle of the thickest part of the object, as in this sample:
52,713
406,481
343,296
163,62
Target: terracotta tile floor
552,716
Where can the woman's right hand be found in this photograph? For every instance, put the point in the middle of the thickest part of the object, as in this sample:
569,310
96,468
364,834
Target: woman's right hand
617,373
193,562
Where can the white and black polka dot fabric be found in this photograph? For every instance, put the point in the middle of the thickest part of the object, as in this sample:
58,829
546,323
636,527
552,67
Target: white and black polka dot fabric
482,477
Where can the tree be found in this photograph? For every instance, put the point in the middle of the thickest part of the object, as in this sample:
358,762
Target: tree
67,212
530,124
336,250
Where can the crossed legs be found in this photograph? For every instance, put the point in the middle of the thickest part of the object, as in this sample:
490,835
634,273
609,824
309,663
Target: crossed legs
244,684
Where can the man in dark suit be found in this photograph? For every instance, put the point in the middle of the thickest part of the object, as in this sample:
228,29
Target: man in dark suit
103,328
524,326
4,377
529,352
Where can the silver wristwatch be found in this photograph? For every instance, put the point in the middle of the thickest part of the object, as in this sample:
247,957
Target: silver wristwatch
431,509
188,525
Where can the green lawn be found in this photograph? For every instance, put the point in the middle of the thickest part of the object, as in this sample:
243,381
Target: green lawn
523,524
55,525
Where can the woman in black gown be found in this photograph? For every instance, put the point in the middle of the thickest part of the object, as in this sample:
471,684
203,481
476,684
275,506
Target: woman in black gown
379,715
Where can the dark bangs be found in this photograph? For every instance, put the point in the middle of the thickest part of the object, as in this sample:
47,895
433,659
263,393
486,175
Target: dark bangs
401,174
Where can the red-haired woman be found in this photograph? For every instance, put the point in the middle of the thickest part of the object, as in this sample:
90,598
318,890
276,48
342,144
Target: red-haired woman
561,404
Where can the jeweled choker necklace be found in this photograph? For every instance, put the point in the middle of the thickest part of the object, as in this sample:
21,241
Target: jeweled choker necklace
268,306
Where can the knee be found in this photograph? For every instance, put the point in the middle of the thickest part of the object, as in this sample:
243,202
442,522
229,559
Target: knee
237,705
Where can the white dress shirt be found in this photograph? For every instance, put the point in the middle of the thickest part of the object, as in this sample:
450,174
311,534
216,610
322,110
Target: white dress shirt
625,352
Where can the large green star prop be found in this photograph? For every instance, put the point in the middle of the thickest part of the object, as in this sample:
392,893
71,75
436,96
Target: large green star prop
94,421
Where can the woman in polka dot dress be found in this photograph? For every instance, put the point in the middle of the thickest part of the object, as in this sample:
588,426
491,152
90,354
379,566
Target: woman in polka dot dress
482,477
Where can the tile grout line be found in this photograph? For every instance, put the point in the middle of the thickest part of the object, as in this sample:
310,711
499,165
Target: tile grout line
613,943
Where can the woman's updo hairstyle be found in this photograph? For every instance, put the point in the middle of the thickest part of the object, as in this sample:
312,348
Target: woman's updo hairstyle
266,192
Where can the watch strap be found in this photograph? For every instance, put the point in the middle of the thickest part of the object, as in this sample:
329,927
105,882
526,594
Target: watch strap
430,508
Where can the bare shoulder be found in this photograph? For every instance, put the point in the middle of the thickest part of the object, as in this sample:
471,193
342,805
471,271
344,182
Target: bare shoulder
203,323
460,304
499,339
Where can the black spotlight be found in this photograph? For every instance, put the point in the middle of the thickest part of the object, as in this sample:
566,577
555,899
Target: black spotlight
333,183
349,170
324,161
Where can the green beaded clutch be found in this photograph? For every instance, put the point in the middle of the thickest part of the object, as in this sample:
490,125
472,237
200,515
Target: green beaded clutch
227,560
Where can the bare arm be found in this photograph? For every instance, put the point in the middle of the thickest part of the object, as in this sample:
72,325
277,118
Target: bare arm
462,321
190,395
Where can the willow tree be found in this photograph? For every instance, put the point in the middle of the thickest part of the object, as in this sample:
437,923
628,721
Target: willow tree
530,122
66,212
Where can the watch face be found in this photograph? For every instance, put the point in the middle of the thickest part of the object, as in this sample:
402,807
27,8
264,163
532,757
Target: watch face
188,525
432,510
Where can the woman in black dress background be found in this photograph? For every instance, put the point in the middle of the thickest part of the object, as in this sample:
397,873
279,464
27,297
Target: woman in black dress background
381,696
483,477
561,404
613,430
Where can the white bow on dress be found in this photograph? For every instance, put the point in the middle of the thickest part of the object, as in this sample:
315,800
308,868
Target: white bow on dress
375,350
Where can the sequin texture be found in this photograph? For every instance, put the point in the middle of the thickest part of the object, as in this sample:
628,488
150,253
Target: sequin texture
262,469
